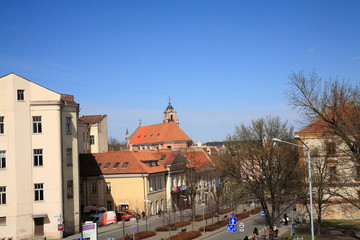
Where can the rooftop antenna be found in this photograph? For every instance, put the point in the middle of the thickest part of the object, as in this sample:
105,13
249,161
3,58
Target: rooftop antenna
140,122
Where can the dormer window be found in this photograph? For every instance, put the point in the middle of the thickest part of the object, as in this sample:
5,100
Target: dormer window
107,165
163,157
125,164
116,164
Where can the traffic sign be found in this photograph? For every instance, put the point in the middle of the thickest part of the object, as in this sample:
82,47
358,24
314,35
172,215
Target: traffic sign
60,227
232,220
232,214
241,225
231,228
133,229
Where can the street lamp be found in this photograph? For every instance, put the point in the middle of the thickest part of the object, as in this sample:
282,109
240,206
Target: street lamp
309,178
148,207
204,206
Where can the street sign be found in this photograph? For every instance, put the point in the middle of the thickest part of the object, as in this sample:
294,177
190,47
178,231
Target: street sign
61,227
231,228
133,229
110,238
81,239
232,220
241,225
232,214
262,213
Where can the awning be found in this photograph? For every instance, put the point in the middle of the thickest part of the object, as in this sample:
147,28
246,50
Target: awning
39,215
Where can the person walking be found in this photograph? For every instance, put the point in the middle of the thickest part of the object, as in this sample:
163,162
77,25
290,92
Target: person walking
256,231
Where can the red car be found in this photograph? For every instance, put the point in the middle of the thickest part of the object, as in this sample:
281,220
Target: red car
123,216
133,213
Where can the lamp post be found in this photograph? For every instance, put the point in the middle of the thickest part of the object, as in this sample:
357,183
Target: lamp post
204,206
309,178
148,207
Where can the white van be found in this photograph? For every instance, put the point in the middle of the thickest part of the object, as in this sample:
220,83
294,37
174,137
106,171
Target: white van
104,218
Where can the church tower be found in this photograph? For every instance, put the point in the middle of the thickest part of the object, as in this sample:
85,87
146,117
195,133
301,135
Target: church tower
170,114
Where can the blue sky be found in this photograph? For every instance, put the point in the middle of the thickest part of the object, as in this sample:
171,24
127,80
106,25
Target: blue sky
222,62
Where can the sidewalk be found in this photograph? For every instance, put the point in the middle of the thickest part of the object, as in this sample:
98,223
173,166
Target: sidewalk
192,227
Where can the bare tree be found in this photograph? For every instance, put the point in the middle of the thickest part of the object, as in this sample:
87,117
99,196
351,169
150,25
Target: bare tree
116,145
334,106
270,173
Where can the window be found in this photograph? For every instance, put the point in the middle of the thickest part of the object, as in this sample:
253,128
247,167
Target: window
107,165
330,148
116,165
2,125
125,164
2,195
68,125
38,157
93,188
69,161
332,173
2,221
39,191
108,187
108,205
2,159
92,139
70,189
20,95
37,127
163,157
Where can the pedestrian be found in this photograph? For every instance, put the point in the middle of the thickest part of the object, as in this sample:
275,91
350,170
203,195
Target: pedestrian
159,213
246,238
253,237
143,215
286,219
256,231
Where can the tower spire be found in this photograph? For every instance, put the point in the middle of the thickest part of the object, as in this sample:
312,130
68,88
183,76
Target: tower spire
170,114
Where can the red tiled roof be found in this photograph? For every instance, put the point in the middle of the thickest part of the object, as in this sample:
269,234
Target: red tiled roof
341,115
199,160
156,133
138,162
92,119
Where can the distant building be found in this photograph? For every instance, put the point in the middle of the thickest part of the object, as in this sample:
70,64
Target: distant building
141,181
166,135
331,158
39,161
93,134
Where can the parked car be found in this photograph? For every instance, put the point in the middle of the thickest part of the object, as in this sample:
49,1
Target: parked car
123,216
133,213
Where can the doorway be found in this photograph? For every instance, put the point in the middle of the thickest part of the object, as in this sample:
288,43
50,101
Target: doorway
39,226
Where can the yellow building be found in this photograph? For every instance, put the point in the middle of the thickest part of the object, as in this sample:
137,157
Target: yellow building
141,180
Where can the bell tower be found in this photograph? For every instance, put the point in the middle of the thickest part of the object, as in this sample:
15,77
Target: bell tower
170,114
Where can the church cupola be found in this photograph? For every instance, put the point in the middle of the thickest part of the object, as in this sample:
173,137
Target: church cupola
170,114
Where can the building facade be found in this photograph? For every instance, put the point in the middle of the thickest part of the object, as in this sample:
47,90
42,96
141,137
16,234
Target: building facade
93,134
39,161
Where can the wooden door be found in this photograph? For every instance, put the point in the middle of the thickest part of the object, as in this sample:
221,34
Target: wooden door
39,226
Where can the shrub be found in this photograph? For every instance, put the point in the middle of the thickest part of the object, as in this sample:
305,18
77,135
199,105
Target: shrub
200,218
255,210
214,226
222,211
141,235
172,226
242,215
185,236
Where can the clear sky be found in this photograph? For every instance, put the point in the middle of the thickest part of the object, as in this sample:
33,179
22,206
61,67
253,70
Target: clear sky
222,62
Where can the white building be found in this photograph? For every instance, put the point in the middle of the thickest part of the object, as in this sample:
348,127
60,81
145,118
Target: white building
39,161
